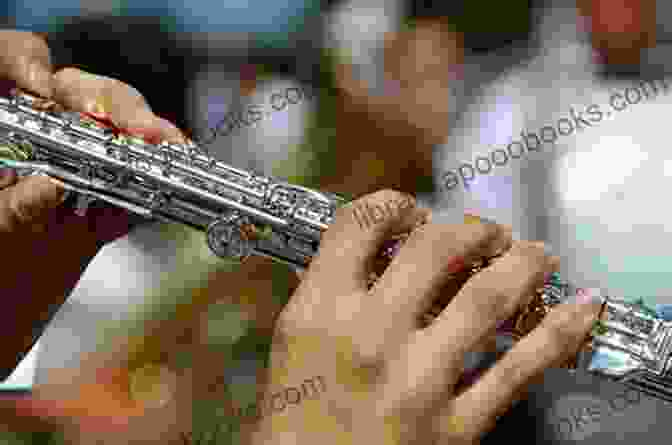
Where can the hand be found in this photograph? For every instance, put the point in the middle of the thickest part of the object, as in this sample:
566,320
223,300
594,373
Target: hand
46,247
385,379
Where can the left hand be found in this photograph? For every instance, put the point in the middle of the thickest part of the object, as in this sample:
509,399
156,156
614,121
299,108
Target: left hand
385,379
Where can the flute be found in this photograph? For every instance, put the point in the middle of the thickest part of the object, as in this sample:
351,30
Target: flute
243,213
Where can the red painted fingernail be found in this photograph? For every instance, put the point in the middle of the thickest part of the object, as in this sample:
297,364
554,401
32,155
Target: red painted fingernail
99,116
150,135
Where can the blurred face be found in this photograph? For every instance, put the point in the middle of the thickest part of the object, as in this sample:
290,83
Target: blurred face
421,64
620,29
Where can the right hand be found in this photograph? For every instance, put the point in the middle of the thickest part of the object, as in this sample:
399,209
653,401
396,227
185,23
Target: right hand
386,379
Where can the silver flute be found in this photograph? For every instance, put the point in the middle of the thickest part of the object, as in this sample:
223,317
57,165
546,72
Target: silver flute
241,213
631,342
244,214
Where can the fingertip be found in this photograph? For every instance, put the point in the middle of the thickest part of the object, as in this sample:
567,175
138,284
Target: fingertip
34,196
53,191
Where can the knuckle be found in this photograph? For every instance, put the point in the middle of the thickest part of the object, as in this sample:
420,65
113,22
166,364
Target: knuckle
20,60
369,353
422,233
495,297
70,79
479,235
462,239
383,206
533,251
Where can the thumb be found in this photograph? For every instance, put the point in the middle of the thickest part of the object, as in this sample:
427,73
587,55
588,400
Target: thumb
28,202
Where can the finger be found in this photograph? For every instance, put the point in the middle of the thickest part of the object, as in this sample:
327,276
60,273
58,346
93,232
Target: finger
493,294
25,59
552,343
428,261
357,235
28,202
108,97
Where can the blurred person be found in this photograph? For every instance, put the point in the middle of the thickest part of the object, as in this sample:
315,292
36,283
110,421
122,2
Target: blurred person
390,126
573,52
593,89
596,83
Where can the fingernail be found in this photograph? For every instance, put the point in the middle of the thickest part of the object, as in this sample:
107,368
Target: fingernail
64,192
586,296
40,79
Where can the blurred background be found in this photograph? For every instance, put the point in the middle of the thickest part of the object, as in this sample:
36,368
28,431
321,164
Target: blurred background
356,95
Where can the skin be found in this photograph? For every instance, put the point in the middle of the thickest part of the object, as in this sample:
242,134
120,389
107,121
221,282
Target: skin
407,125
356,353
387,380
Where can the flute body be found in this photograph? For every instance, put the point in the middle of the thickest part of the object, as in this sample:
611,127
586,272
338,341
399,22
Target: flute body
243,214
